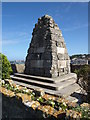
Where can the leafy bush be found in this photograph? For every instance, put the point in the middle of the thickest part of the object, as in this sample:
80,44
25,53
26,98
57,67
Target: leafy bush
5,67
84,77
84,74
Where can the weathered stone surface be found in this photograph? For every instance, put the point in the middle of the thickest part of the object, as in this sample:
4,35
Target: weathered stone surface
47,54
18,68
63,85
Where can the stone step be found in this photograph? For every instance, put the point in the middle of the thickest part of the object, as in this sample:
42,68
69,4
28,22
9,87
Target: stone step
72,99
48,91
68,90
39,78
52,86
65,77
34,87
53,92
34,82
65,83
49,80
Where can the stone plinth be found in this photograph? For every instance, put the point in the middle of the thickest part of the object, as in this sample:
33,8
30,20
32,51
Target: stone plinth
47,54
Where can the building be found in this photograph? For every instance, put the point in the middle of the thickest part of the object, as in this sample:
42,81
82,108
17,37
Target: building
78,61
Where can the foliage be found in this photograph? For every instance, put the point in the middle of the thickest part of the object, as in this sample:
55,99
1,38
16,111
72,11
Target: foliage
40,99
5,67
83,73
51,102
85,111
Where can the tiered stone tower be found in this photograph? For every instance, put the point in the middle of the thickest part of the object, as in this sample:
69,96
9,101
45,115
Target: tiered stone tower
47,55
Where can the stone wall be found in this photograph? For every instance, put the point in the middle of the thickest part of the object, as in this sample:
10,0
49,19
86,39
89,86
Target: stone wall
47,53
18,68
14,108
20,102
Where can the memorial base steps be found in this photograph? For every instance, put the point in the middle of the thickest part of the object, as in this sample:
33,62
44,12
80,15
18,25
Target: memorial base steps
61,86
46,79
41,82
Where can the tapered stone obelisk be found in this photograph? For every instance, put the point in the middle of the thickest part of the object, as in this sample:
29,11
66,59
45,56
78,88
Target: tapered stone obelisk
47,54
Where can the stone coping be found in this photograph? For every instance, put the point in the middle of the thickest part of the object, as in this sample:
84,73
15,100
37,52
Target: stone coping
27,99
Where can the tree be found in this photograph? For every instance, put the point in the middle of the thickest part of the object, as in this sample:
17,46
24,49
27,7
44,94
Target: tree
5,67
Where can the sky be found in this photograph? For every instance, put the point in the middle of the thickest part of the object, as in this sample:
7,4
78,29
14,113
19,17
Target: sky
18,21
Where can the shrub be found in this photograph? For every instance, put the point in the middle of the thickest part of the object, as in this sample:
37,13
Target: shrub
5,67
84,77
84,74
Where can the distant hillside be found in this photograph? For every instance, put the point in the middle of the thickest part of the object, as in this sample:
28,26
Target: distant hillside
17,62
81,56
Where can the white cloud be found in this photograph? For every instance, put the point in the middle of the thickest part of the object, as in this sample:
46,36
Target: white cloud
17,34
9,42
75,27
13,37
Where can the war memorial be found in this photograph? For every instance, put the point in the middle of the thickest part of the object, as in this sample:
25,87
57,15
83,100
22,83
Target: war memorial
47,55
47,64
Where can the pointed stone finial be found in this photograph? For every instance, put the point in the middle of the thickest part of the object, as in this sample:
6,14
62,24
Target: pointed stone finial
47,16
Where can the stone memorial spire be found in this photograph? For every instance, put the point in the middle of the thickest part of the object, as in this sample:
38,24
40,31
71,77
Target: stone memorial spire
47,55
